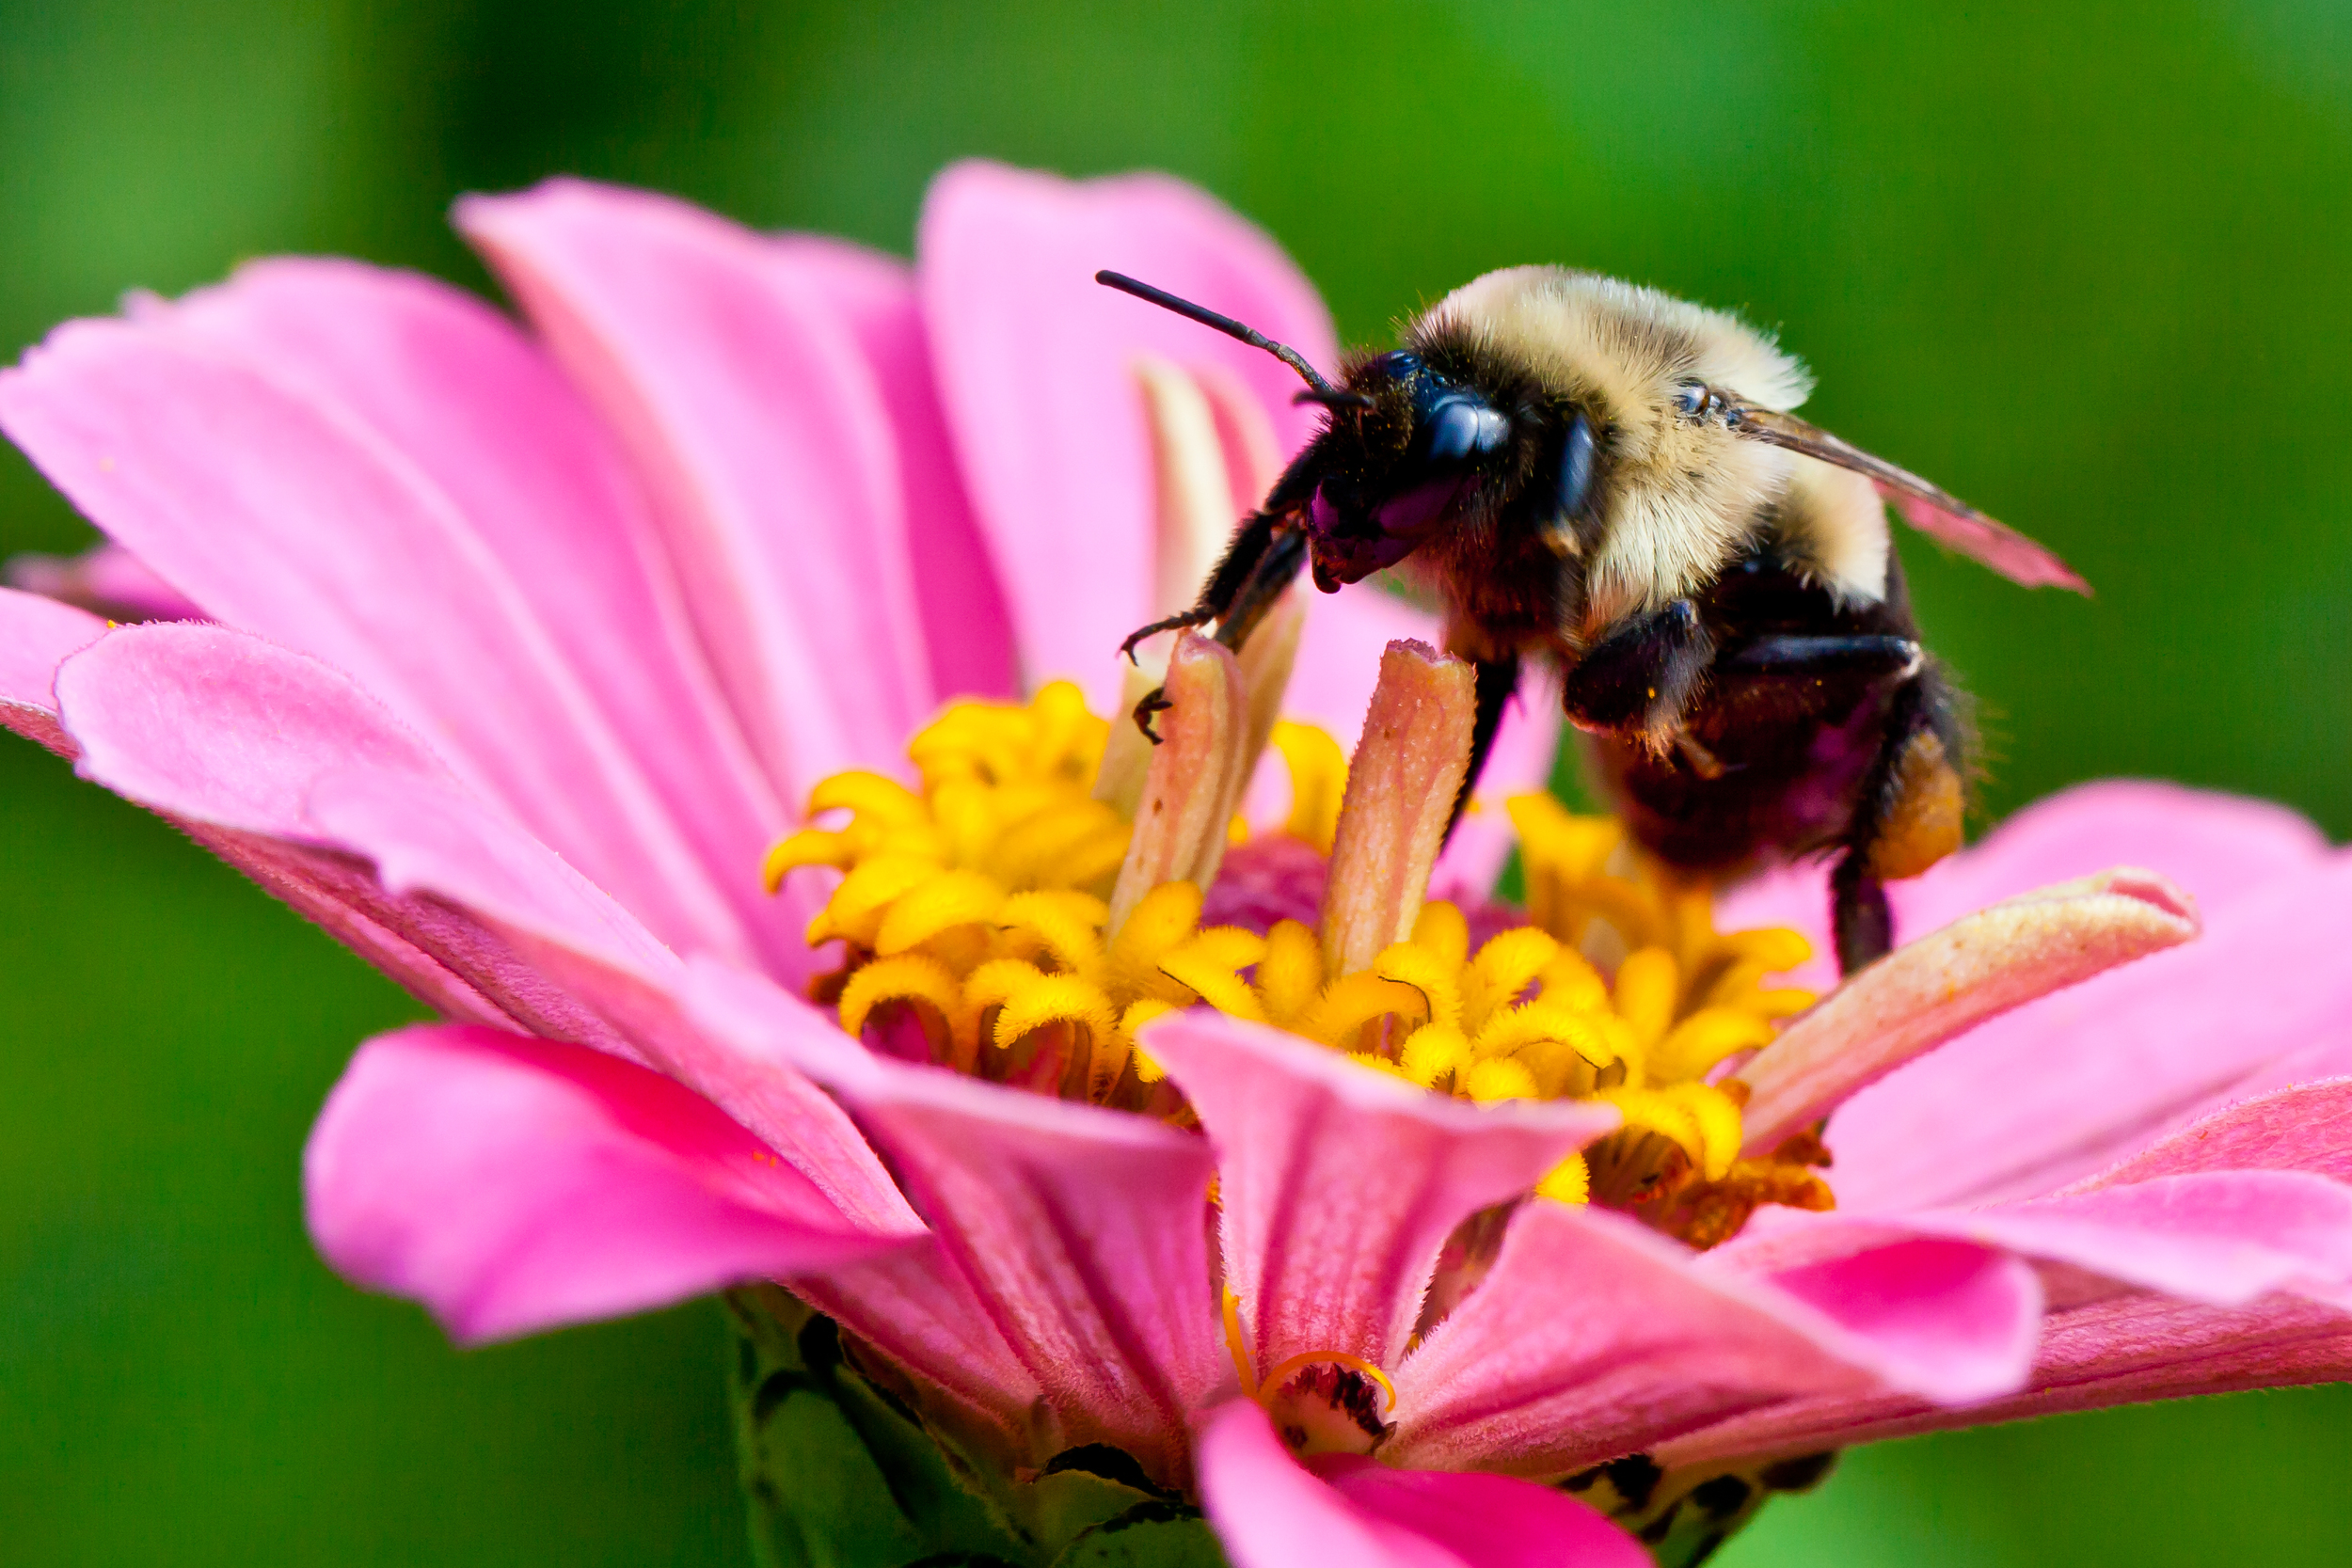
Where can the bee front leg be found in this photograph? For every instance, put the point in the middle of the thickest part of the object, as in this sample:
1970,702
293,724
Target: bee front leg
1233,570
1498,681
1274,571
1640,678
1264,559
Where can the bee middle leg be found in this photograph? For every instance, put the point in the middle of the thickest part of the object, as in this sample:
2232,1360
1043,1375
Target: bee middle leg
1498,680
1642,675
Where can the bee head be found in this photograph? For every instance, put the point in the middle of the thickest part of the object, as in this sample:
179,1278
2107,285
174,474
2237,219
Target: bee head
1397,465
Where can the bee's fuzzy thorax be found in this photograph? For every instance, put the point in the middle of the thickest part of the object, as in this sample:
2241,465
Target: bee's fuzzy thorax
1635,343
1833,531
1687,496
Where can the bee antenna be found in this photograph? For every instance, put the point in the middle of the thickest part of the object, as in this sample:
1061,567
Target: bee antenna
1319,390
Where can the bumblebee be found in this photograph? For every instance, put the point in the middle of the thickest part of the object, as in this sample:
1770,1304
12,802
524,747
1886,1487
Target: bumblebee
1597,474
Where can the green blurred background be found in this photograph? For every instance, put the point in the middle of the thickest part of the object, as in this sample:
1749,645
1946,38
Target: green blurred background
2086,265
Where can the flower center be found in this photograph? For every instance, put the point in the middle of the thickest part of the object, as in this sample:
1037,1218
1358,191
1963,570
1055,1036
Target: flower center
977,920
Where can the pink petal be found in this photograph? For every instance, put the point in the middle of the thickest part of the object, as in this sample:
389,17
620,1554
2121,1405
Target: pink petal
449,959
491,423
1034,362
752,411
965,625
2307,1127
917,1306
2064,1087
1270,1512
2114,1352
1337,1184
2220,1237
106,580
2220,847
1948,1320
241,742
1084,1230
287,516
36,635
1594,1337
415,944
221,727
213,726
270,757
1659,1344
513,1185
1488,1521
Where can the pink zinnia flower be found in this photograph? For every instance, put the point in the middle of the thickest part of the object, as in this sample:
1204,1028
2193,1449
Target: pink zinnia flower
521,651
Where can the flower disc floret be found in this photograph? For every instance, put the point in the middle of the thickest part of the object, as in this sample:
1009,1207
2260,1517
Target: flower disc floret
975,914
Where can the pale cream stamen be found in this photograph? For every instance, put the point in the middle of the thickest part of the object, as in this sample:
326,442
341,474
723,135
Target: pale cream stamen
1194,491
1929,991
1195,778
1401,785
1214,454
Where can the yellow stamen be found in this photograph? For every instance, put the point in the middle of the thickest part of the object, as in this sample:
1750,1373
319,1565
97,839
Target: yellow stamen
809,847
1441,928
1318,770
1052,999
1706,1037
908,978
1433,1052
1504,967
1207,965
1570,1182
1425,969
1237,1347
1647,983
948,899
1291,973
1509,1032
1348,1004
981,900
1500,1078
1067,924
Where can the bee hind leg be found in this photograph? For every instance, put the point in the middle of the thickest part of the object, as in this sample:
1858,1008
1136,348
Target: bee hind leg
1909,817
1859,918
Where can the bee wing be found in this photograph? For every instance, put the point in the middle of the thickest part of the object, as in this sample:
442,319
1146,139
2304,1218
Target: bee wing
1939,514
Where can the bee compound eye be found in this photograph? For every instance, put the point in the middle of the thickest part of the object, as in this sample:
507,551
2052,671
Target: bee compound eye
1459,429
1577,461
1691,401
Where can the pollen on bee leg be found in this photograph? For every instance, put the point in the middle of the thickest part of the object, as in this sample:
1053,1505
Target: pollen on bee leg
1923,824
1194,780
1401,785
